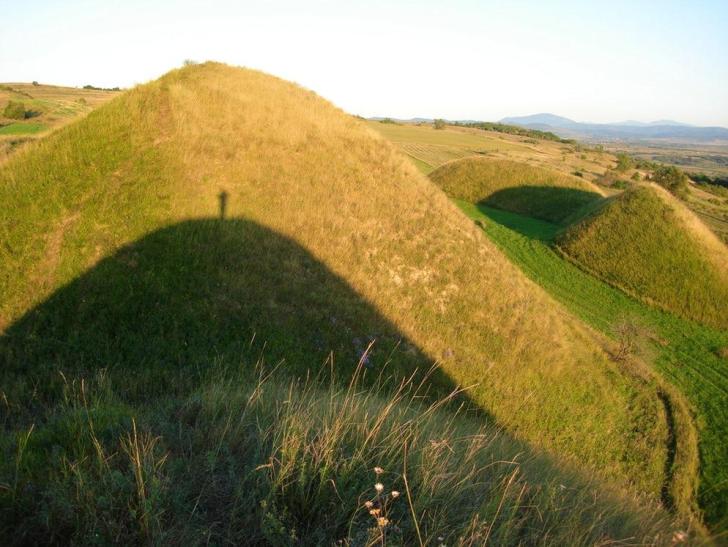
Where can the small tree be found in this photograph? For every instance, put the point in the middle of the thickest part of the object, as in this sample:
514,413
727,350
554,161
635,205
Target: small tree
35,82
624,162
671,178
439,124
627,333
14,110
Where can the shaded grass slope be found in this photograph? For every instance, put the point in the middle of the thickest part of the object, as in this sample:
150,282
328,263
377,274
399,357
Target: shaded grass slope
248,457
335,241
517,187
648,244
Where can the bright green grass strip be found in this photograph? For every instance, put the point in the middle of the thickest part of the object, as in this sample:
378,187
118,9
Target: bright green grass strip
424,168
686,357
22,129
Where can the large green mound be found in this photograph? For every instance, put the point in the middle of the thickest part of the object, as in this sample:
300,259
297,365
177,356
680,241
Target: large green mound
516,187
647,243
219,215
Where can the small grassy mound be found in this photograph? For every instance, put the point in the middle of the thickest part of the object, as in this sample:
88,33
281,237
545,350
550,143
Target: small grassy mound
326,240
645,242
516,187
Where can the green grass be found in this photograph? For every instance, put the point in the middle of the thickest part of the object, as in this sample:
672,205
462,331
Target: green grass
647,246
516,186
684,352
22,129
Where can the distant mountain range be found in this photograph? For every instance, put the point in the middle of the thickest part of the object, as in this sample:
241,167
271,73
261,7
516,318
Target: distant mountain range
625,131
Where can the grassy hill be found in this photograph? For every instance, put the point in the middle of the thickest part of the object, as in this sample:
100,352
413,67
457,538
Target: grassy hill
218,216
647,243
517,187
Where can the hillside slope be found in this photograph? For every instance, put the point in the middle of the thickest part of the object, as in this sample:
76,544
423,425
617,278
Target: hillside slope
113,260
516,187
647,243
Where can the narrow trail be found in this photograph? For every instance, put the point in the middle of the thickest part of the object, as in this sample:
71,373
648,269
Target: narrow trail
665,494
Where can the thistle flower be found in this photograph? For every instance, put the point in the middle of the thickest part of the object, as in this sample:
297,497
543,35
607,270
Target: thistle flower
379,487
378,470
374,512
382,522
368,504
395,493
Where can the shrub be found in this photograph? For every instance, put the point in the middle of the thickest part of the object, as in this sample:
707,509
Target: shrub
35,82
439,124
624,163
636,176
14,110
578,174
626,332
671,178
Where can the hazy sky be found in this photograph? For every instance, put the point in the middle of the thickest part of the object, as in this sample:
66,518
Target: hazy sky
591,61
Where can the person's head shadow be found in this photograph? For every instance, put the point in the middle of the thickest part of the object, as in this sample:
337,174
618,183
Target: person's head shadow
199,294
223,198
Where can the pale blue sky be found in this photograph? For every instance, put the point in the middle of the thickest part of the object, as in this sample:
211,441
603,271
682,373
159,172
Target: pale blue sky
605,61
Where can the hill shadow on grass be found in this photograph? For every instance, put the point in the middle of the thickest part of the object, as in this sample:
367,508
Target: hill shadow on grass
195,295
550,203
167,316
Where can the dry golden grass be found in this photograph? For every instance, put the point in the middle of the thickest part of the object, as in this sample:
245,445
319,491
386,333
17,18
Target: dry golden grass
294,164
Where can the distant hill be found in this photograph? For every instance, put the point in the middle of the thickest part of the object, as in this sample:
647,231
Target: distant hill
628,130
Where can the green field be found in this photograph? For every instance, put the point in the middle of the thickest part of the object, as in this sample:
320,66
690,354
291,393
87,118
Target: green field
22,129
684,352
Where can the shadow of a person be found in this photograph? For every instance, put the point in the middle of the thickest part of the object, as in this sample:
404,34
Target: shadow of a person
223,197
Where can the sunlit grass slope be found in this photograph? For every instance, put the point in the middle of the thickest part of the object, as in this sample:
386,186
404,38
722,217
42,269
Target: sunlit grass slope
647,243
515,186
110,260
